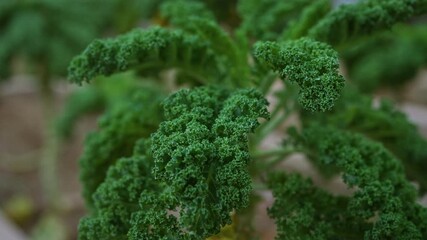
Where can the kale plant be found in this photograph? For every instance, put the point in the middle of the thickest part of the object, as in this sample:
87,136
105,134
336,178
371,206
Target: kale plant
179,156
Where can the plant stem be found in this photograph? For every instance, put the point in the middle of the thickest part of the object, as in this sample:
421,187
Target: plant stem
271,153
278,154
48,162
266,82
266,160
271,125
272,163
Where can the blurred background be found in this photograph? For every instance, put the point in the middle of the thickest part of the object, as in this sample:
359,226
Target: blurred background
44,118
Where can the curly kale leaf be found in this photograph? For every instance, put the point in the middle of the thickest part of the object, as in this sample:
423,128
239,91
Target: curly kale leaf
184,182
383,205
120,198
303,211
266,19
105,94
232,56
388,59
116,199
350,21
131,204
118,131
383,123
201,153
192,50
310,64
308,17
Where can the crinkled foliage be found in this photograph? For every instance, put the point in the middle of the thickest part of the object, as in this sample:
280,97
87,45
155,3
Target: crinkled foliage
149,50
310,64
231,55
267,19
196,50
383,123
309,17
198,176
181,172
118,131
383,205
201,152
365,17
116,199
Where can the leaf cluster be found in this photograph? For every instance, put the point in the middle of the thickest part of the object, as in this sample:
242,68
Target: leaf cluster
382,206
312,65
119,130
185,166
382,123
194,167
351,21
156,48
